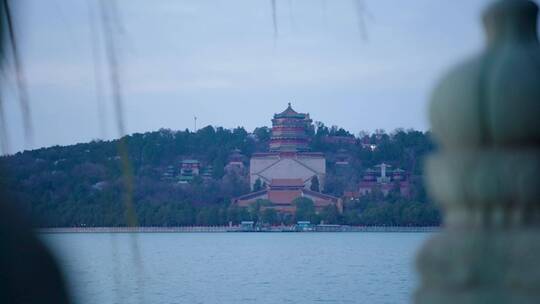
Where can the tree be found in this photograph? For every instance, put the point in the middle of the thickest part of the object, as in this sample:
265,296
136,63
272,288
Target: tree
305,209
257,186
330,215
256,209
315,184
269,216
262,134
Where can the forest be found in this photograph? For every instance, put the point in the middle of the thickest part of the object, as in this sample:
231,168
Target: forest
84,184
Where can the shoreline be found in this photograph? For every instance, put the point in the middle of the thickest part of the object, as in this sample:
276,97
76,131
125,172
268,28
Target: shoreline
236,229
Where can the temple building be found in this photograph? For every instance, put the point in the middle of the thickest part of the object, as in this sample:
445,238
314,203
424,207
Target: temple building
282,192
236,163
189,168
287,170
288,156
384,180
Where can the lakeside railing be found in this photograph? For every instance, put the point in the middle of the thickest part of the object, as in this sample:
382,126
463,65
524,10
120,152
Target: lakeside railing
221,229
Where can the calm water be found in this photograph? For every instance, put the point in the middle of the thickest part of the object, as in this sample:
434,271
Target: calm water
239,267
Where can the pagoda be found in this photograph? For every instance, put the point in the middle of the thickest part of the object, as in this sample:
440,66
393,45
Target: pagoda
288,156
288,168
289,131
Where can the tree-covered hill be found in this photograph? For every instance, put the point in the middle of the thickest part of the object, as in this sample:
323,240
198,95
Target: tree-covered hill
82,184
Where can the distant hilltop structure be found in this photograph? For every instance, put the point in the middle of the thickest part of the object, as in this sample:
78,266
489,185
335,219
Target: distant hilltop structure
382,178
236,163
288,170
288,156
189,168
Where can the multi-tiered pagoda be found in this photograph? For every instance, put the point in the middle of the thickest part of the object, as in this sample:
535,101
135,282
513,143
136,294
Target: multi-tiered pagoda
288,169
289,131
288,156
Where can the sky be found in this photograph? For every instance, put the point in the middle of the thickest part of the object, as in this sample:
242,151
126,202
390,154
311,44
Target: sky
361,65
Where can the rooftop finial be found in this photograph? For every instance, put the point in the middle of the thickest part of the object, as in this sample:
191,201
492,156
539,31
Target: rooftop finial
289,104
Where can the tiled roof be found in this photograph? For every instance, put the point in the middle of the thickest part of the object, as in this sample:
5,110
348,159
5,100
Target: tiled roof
320,195
283,197
264,154
283,208
251,195
317,154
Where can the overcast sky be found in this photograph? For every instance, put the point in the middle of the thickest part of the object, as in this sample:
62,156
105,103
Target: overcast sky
222,62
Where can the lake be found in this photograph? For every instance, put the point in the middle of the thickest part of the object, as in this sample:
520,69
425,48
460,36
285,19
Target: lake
238,267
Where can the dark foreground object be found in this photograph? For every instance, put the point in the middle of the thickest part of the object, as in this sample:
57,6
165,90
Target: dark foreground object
28,272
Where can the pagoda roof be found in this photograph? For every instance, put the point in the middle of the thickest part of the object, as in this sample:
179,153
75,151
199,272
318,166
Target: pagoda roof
289,112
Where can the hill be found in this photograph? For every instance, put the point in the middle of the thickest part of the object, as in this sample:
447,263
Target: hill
82,184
